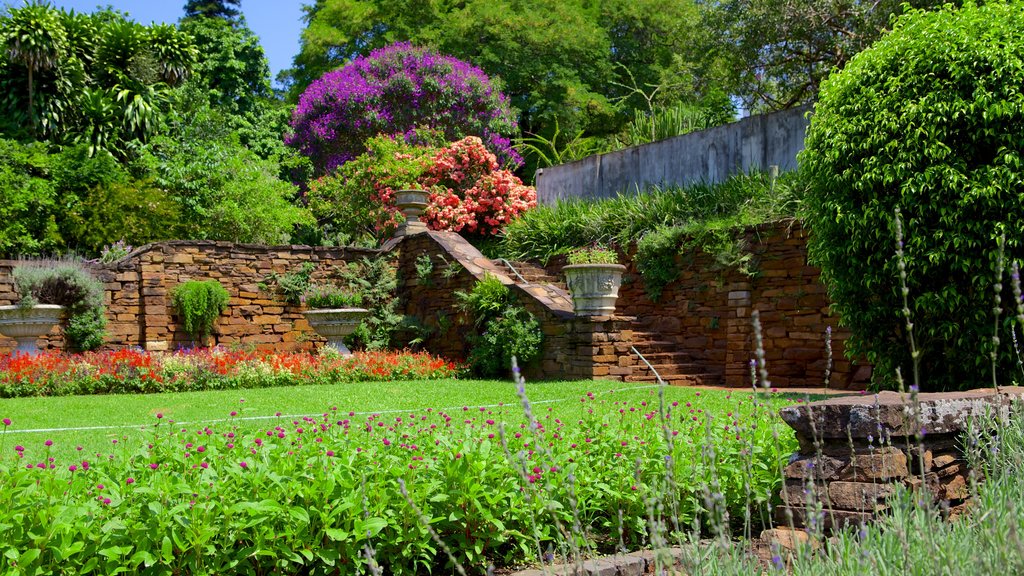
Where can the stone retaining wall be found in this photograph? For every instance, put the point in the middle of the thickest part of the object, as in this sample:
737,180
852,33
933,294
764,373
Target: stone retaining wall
854,451
707,312
138,289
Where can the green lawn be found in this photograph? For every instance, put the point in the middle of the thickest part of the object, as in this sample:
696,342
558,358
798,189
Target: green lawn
94,422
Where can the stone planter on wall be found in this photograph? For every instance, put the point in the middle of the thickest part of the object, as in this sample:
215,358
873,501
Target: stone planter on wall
336,323
412,204
26,325
594,287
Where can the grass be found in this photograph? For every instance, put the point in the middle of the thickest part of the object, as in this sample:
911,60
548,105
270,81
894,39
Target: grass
94,421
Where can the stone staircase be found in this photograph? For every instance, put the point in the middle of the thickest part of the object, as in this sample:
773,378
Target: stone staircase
676,368
531,273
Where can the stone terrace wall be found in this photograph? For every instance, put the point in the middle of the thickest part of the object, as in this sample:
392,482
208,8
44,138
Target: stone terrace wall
138,289
574,347
855,450
707,312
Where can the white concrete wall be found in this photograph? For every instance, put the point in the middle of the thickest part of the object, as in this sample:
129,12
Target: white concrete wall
710,155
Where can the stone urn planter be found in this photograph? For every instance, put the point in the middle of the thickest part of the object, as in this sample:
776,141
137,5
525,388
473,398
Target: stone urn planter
412,204
594,287
26,325
336,323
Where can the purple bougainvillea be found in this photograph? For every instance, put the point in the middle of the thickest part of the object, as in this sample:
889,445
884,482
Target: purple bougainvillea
395,90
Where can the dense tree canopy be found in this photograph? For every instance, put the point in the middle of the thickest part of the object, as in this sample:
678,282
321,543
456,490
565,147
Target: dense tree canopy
567,61
96,79
777,52
226,10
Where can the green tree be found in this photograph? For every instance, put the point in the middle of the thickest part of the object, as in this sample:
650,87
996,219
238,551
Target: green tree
226,10
96,78
231,63
224,190
28,201
558,61
33,38
927,122
779,51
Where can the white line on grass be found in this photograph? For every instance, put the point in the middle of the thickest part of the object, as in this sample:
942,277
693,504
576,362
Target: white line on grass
253,418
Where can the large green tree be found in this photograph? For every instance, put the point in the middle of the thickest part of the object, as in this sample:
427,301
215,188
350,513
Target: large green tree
778,51
226,10
96,79
573,61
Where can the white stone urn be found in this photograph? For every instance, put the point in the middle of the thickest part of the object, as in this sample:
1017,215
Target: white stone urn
336,323
594,287
26,325
412,204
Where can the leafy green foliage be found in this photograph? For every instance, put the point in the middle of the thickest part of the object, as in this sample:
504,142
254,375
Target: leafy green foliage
548,231
376,280
225,191
198,304
95,79
925,121
330,296
775,54
68,283
28,201
508,330
231,64
293,284
348,204
593,255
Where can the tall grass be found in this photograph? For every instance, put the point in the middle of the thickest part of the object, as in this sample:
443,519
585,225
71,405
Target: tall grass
752,198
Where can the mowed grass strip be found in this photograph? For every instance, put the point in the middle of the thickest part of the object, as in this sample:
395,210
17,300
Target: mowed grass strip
94,423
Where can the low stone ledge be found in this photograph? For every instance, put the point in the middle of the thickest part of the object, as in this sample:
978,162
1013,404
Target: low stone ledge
856,450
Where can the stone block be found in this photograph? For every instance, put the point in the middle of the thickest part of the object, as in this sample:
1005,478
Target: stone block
859,495
885,464
788,539
814,468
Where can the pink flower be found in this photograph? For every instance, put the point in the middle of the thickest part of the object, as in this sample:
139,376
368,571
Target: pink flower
243,464
72,468
7,421
130,481
154,465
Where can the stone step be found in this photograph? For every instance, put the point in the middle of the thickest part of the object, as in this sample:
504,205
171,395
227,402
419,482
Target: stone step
669,369
531,273
647,347
673,357
703,379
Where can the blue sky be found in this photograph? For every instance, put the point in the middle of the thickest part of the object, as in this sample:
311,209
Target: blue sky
278,23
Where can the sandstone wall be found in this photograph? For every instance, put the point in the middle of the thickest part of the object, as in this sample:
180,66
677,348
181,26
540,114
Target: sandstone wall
138,289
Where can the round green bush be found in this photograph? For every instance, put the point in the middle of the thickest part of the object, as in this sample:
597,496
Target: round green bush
927,120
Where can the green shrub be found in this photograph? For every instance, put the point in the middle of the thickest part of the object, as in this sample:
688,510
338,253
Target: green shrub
68,283
328,296
928,121
507,329
199,303
593,255
376,280
293,284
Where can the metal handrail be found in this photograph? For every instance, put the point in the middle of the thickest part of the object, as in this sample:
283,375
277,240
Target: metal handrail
656,375
513,269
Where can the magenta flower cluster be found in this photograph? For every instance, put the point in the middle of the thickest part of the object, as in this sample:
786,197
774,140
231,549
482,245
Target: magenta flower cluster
395,90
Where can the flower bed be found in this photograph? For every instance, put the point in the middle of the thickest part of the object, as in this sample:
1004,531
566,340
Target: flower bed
133,371
321,495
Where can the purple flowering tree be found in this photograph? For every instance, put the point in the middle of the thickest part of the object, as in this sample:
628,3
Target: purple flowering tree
395,90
